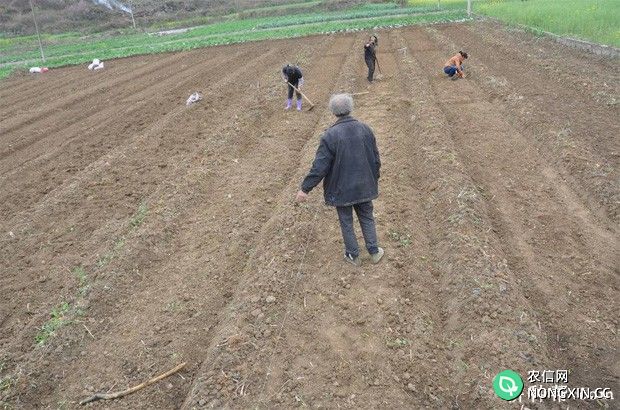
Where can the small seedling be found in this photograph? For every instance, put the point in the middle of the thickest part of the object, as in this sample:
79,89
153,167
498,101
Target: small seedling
172,306
57,320
104,260
6,383
119,244
138,217
402,239
398,342
80,273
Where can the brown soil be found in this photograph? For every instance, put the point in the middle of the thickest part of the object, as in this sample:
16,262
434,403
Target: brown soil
499,213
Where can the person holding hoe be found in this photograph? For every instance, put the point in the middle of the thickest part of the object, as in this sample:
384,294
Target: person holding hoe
347,161
370,55
455,65
293,76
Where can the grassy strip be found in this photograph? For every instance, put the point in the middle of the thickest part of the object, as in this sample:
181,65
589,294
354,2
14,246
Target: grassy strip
594,20
243,14
57,45
289,6
226,23
460,4
365,12
6,71
58,318
195,39
66,313
75,46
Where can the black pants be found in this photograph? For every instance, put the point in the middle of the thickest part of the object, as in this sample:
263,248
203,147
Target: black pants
290,91
367,223
370,62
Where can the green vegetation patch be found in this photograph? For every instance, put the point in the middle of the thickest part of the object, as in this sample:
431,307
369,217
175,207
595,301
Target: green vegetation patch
58,318
70,49
137,219
594,20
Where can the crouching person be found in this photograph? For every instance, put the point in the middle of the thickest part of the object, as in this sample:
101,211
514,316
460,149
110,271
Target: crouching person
455,65
347,161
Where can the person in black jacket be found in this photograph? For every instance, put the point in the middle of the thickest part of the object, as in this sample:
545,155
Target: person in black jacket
370,55
292,74
347,161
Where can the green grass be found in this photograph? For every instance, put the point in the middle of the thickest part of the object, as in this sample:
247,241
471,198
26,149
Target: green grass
57,320
461,4
80,274
594,20
403,239
137,219
6,383
119,244
134,222
6,71
69,49
398,342
281,7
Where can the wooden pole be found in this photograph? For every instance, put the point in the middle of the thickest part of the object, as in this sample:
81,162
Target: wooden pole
469,8
131,12
303,95
36,27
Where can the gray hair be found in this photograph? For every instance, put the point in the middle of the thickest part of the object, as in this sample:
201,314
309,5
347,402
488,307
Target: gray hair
341,104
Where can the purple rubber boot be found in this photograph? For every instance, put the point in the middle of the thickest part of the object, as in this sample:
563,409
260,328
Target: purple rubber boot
298,105
289,102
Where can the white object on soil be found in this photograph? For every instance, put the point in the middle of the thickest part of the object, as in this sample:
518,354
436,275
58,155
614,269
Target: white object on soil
96,64
195,97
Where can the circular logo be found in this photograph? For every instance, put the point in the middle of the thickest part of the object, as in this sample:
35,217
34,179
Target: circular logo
508,385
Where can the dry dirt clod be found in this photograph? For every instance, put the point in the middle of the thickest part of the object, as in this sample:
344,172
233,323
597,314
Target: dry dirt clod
270,299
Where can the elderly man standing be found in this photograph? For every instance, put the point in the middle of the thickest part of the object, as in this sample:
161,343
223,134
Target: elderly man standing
347,161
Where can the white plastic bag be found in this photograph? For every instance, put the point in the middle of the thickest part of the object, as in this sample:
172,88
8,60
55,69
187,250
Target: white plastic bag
195,97
96,64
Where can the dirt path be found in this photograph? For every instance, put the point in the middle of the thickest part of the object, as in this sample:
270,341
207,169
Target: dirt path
170,234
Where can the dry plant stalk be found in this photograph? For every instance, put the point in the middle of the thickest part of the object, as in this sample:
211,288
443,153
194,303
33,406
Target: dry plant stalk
118,394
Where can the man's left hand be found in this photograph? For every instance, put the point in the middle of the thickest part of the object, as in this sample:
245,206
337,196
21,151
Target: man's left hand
301,196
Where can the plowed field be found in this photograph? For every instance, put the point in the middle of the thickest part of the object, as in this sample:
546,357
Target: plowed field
156,233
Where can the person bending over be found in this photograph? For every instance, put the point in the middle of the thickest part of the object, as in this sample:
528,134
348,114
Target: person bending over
292,74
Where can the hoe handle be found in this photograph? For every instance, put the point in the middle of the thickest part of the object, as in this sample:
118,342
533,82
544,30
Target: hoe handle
302,94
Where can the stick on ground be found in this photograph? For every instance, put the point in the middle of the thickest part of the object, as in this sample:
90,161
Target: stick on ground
118,394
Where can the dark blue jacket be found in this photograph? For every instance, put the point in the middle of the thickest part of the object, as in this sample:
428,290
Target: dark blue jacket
347,161
292,73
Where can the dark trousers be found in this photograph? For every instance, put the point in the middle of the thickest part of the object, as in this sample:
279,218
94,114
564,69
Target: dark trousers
370,62
367,222
291,90
451,70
